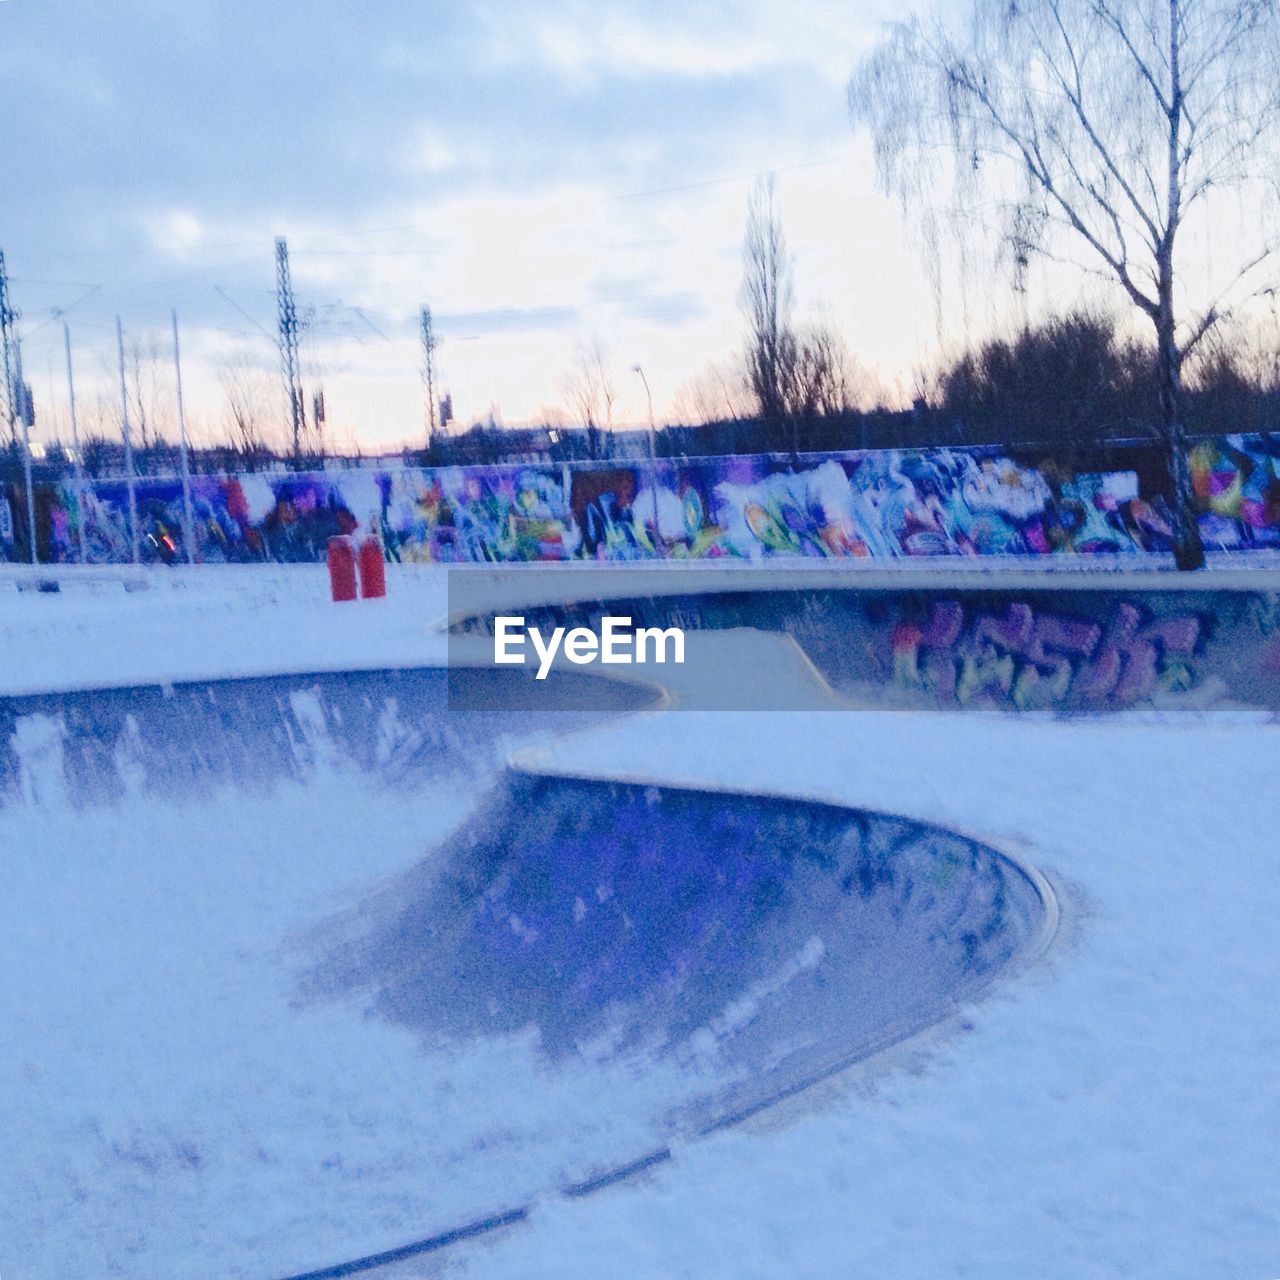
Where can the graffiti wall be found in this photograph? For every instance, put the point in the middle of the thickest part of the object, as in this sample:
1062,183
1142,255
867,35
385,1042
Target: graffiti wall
1025,656
1237,485
1061,649
881,504
1066,651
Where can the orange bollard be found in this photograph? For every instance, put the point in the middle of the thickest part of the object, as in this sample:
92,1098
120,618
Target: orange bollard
373,570
342,568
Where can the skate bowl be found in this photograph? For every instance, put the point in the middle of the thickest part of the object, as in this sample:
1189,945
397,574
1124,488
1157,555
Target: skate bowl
569,977
762,942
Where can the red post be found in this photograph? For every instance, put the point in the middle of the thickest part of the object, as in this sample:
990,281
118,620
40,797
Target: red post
373,570
342,568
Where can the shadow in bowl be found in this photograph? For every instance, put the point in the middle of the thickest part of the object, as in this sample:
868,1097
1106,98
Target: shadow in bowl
767,938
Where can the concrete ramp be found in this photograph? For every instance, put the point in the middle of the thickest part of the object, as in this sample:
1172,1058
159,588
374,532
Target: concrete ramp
182,740
756,942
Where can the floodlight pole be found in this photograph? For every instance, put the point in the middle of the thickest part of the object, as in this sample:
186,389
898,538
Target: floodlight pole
24,414
653,461
188,515
130,479
75,445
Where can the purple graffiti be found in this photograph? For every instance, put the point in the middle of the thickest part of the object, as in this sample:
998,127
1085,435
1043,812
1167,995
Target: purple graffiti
1024,658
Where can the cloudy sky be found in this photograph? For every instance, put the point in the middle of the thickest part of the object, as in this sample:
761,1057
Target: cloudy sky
541,176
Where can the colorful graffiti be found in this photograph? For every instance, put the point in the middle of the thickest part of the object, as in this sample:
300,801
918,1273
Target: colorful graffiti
507,514
1025,659
882,504
1237,486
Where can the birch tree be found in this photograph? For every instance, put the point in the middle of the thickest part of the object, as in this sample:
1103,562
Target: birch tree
1111,135
767,301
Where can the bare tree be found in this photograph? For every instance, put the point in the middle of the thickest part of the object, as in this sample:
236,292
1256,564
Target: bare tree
99,432
1101,129
1249,347
249,406
818,374
146,365
1071,378
590,390
716,393
147,391
767,300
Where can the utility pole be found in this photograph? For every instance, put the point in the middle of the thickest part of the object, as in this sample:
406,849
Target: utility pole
290,365
8,319
129,478
75,445
429,372
26,415
318,417
188,516
653,463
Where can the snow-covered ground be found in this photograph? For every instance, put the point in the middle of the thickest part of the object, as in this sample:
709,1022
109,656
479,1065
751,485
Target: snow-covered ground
118,626
166,1111
1114,1112
128,627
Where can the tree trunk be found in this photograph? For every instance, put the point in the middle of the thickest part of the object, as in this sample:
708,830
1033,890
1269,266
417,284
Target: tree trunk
1188,550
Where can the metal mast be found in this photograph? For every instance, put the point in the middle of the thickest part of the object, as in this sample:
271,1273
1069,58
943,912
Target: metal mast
429,372
188,513
75,445
8,318
290,365
26,414
129,476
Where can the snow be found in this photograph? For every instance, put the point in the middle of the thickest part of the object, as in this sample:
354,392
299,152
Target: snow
185,624
1112,1112
167,1108
171,1106
110,626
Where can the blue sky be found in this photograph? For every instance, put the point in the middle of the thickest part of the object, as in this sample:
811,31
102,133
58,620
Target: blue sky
541,176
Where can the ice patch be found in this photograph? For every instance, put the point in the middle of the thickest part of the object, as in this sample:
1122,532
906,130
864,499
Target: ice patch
129,758
38,742
314,748
747,1007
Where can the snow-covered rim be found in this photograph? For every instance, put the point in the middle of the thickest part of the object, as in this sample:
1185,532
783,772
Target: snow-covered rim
1226,569
1040,938
564,581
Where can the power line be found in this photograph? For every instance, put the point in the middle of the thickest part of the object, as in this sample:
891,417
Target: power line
222,293
360,312
56,313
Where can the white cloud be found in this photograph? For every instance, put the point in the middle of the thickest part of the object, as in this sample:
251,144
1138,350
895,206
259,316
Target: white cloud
588,42
175,232
430,151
